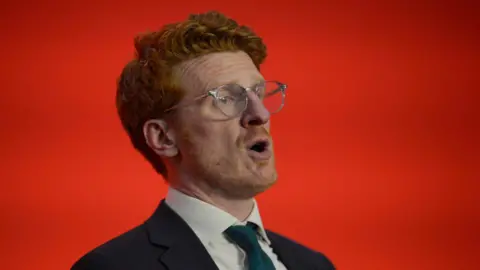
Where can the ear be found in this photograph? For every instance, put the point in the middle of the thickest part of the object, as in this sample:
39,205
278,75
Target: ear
160,138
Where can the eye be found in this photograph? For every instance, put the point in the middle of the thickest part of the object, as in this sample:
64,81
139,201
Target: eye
226,99
229,94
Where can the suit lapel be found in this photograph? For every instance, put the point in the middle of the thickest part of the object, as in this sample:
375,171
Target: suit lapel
285,254
183,249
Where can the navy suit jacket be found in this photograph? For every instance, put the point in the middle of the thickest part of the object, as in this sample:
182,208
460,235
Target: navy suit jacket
166,242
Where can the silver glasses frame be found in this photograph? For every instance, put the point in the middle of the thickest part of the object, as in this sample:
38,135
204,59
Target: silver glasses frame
214,93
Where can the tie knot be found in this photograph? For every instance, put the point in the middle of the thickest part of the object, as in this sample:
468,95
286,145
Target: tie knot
246,238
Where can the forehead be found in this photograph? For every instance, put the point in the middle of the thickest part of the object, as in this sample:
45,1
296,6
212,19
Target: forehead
215,69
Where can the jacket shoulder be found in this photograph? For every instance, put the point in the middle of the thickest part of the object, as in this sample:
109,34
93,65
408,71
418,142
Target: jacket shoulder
131,248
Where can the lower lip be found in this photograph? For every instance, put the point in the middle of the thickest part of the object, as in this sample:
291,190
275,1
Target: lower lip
260,156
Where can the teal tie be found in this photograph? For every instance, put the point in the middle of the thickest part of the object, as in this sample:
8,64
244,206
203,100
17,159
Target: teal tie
246,238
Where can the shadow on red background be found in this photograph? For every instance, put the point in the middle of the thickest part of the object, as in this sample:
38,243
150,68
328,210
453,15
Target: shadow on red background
377,147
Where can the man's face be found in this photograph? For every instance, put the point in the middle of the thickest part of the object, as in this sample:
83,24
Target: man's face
216,149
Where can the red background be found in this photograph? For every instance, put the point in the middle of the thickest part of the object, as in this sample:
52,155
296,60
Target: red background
377,147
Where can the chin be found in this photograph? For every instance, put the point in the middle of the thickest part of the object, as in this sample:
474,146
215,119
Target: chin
265,171
244,181
248,185
262,179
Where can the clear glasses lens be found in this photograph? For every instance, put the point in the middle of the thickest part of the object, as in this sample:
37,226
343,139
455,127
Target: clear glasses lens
232,99
272,95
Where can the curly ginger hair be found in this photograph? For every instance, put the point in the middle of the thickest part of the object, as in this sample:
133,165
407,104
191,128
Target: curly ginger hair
147,87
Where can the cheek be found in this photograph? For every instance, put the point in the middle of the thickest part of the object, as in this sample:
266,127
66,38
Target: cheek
201,133
226,138
192,137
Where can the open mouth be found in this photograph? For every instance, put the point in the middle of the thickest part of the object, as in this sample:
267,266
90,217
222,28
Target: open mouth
259,150
259,146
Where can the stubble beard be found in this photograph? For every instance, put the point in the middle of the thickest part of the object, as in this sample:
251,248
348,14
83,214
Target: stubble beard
228,177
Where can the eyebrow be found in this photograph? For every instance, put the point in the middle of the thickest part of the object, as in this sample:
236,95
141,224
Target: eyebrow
208,88
259,81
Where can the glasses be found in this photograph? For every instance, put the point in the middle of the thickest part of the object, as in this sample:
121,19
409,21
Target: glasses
232,99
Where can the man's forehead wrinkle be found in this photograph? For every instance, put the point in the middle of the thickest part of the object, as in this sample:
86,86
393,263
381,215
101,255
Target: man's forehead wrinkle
192,72
208,71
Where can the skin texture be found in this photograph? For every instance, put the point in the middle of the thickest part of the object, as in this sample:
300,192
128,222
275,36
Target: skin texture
206,153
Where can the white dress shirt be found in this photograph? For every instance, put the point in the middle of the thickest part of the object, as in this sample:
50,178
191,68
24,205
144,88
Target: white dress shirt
209,222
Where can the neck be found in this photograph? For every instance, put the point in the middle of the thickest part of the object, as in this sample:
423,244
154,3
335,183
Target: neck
239,208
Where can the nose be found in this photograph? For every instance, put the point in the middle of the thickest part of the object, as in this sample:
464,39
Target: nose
255,114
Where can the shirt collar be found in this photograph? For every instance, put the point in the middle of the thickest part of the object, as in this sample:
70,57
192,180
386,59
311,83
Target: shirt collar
206,220
255,218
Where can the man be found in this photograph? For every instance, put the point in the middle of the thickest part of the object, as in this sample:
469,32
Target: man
196,106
